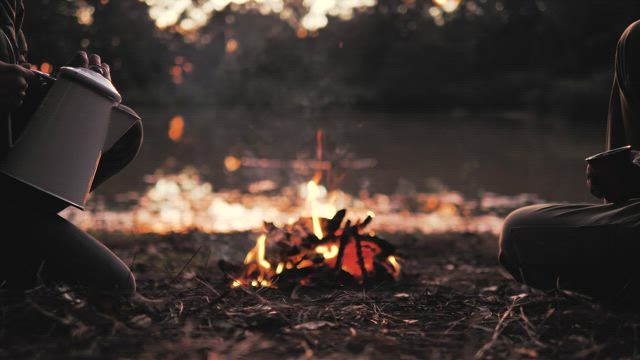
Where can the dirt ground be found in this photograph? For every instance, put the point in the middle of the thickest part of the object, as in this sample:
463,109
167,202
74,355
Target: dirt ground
453,302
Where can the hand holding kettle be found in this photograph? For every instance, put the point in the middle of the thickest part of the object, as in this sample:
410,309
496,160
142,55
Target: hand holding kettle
78,119
14,81
92,62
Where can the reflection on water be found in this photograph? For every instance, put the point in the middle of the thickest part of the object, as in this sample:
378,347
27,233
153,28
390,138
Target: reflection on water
469,153
425,172
184,202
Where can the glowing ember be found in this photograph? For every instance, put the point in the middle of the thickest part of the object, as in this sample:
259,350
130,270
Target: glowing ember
396,266
344,255
328,252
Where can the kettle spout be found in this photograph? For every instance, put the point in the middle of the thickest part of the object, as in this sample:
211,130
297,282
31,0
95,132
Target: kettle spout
122,144
122,119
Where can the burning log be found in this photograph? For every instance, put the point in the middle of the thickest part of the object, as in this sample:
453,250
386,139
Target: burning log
316,251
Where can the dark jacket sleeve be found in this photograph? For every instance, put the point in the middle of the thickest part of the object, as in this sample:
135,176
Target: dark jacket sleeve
20,39
13,49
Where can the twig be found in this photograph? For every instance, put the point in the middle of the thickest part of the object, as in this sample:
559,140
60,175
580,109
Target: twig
48,314
530,329
185,265
133,259
207,285
344,237
500,326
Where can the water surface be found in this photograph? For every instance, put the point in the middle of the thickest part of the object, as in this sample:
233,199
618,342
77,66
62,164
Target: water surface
466,152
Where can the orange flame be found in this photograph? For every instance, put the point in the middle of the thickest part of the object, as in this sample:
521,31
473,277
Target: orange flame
396,266
256,262
257,254
328,252
312,198
357,258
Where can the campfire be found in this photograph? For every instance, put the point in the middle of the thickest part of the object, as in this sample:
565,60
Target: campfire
316,250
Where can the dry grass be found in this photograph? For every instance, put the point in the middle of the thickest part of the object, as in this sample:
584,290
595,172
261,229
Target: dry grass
454,302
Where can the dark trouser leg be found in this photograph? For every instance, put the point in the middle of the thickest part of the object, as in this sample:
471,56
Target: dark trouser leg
590,249
47,246
36,243
624,108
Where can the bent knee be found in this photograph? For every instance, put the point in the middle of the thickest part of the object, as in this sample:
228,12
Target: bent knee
523,217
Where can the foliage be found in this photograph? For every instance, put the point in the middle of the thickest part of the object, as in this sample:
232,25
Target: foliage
394,55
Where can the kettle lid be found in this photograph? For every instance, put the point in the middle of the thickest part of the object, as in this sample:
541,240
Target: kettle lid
93,80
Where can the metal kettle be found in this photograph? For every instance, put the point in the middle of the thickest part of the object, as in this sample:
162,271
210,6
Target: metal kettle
58,151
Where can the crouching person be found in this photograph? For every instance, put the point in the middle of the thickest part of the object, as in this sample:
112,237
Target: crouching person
36,244
591,249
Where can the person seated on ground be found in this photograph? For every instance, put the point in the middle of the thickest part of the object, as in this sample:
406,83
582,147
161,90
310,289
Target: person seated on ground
37,245
590,249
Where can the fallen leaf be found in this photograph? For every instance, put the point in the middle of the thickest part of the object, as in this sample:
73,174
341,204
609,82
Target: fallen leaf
410,321
518,297
489,289
313,325
402,295
140,321
526,352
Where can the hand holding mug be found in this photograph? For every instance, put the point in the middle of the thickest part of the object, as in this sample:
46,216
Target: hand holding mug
610,175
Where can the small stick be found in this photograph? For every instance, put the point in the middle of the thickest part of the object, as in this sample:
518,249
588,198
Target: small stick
500,326
207,285
343,245
335,222
363,269
186,264
366,222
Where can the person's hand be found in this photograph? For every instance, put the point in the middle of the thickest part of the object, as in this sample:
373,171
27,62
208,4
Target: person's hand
92,62
616,187
594,183
14,81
